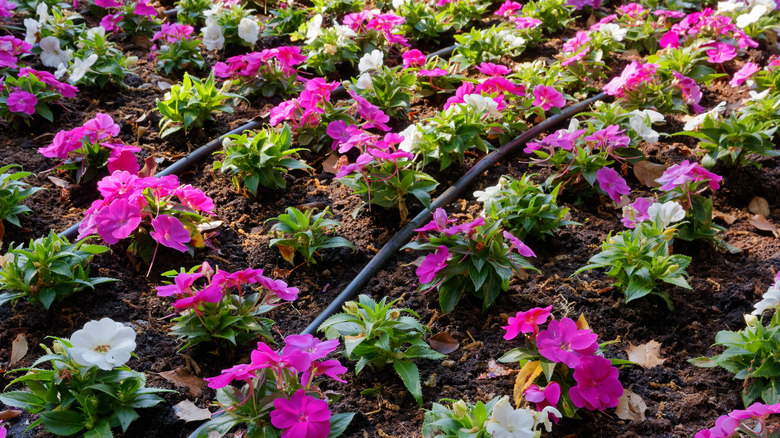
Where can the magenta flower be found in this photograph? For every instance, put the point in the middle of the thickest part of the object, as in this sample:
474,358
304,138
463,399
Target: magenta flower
195,199
432,264
691,92
100,127
142,7
413,58
5,11
117,220
302,416
111,22
265,357
508,8
548,97
425,73
563,342
122,158
64,143
720,53
210,294
498,84
517,244
438,224
632,77
526,322
597,386
357,166
612,183
331,368
170,232
744,74
466,228
609,137
315,348
279,288
21,102
491,69
636,212
117,184
687,172
549,396
527,22
182,284
238,372
579,40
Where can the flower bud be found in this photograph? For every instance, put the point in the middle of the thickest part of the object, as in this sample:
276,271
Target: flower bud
751,320
59,348
57,245
394,314
351,308
460,409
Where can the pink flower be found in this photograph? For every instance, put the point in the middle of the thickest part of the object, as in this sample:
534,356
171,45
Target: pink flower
117,184
491,69
631,78
548,97
609,137
64,143
111,21
724,427
508,8
413,58
498,84
527,22
279,288
195,199
636,212
597,386
720,53
5,7
687,172
517,244
117,220
142,7
361,161
526,322
108,3
466,228
331,368
210,294
438,224
425,73
543,398
563,342
315,348
302,416
612,183
757,411
21,102
238,372
432,264
744,74
579,40
691,93
170,232
182,284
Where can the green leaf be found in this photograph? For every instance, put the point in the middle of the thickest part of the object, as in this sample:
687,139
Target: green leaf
21,399
126,416
411,377
63,422
449,295
101,430
339,423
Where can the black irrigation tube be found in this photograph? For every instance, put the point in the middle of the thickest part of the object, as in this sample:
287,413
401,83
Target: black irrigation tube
449,195
209,148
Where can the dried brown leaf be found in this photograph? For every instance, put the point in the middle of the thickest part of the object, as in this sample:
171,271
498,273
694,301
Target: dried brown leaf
59,182
288,253
19,348
631,407
150,166
331,164
725,217
760,222
645,355
183,378
758,205
187,411
9,413
444,343
647,173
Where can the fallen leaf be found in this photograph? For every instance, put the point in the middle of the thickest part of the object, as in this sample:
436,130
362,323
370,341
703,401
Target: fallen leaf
763,224
725,217
59,182
495,370
330,165
9,413
758,205
182,377
646,355
18,348
141,119
140,131
162,85
208,226
444,343
418,261
150,166
582,323
525,378
187,411
631,406
647,173
142,41
591,20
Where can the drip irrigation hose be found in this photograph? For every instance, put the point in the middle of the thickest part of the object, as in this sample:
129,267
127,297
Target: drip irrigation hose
209,148
449,195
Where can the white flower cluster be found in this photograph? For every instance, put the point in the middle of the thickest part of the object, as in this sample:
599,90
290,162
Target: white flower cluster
642,121
771,298
518,423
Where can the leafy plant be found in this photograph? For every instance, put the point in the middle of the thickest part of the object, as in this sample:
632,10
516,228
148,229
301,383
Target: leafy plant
177,51
458,421
640,259
286,20
378,334
191,12
480,45
390,89
79,395
259,158
98,61
192,103
12,192
29,94
48,269
523,207
305,233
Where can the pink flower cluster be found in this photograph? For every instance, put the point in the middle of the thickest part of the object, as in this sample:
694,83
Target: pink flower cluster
580,4
173,32
633,76
576,48
563,138
219,284
282,59
495,86
110,22
368,20
612,183
564,342
100,131
66,90
302,415
124,207
10,48
687,172
5,8
696,24
726,425
691,92
510,8
305,110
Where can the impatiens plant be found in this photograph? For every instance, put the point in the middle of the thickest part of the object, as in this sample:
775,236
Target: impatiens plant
211,312
49,268
131,17
259,158
305,233
523,207
11,49
478,257
286,20
641,259
29,93
88,390
379,334
562,365
748,423
280,394
480,45
270,72
91,147
151,211
192,12
175,49
229,22
12,192
192,103
389,89
327,47
97,61
751,354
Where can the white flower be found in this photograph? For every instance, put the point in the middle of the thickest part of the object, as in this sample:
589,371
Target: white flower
43,13
99,30
212,35
315,29
614,30
770,300
641,122
758,96
364,82
713,114
249,30
412,137
730,6
397,3
105,343
510,423
667,213
33,27
61,70
489,194
343,33
371,61
512,40
482,103
80,68
753,16
51,53
543,417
